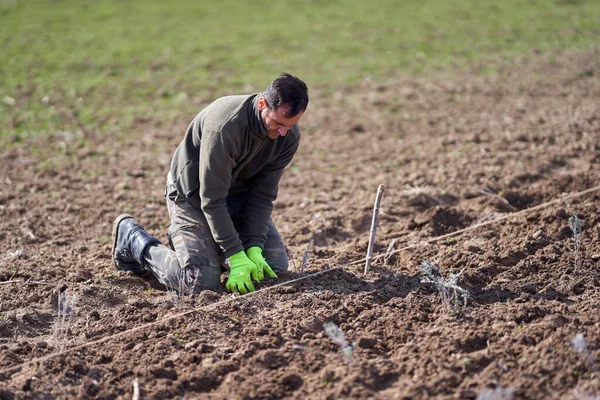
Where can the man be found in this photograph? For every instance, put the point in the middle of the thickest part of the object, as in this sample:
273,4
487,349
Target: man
220,190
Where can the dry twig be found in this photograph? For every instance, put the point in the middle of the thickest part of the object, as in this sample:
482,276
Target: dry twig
8,282
388,253
27,282
305,256
30,282
575,225
380,190
136,389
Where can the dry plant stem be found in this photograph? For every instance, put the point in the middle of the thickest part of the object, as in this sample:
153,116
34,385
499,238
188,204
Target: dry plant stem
291,258
389,253
66,307
305,256
27,282
336,334
380,190
575,225
448,288
8,282
136,389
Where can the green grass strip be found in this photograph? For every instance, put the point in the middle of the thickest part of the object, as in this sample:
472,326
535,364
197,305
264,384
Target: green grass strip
79,65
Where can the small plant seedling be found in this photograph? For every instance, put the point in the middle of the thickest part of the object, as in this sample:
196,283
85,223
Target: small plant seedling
336,334
179,339
575,225
449,290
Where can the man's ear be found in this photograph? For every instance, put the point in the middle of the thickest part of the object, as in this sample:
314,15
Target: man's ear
262,103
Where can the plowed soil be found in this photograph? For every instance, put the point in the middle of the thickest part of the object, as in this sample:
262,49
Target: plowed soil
471,151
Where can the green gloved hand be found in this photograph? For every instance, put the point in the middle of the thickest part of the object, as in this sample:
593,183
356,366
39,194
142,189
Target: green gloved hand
255,255
241,273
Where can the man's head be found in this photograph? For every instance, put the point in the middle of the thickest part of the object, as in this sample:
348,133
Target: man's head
282,104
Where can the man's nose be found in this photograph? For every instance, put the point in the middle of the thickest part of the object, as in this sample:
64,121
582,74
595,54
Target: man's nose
282,130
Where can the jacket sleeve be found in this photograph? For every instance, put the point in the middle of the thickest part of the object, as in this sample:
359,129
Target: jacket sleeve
217,160
262,192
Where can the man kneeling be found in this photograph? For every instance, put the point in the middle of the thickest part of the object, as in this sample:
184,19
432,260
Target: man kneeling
220,190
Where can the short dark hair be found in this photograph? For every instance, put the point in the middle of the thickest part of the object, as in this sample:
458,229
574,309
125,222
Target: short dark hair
287,90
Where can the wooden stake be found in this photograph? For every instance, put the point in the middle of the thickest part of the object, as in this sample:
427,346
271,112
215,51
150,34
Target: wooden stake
136,389
380,190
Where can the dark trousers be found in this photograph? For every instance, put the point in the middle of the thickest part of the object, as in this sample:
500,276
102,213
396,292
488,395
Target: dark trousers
194,261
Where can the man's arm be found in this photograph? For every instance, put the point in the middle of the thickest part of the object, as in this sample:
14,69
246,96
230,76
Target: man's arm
262,192
217,160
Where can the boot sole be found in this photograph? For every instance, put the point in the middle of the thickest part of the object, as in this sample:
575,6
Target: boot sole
115,230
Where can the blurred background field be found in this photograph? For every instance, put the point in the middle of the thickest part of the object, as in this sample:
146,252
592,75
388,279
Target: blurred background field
98,66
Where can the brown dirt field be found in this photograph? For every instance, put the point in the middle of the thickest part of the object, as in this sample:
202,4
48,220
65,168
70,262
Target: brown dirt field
452,152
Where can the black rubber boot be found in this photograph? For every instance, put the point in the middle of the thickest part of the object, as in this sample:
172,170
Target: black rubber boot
129,242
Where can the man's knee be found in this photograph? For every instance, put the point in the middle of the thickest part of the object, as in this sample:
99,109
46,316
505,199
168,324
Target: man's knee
275,252
199,256
201,273
187,269
277,259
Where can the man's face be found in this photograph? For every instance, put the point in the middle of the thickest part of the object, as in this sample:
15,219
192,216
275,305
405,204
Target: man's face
275,121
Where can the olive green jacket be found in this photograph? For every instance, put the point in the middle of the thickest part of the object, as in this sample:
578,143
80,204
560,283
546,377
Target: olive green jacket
226,150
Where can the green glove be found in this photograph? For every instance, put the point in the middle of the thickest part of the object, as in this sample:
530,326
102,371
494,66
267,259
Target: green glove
255,255
241,273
